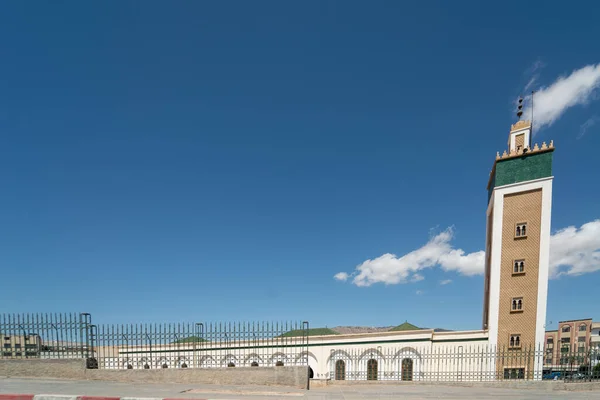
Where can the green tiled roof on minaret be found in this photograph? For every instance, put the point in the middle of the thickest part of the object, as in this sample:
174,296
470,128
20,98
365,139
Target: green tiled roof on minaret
521,163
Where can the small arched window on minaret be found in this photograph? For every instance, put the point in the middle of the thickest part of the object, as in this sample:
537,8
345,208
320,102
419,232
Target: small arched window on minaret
517,341
516,305
521,230
522,266
512,341
516,268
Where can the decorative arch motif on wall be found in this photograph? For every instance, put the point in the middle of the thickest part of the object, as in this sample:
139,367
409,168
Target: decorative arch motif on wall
207,362
229,359
163,362
278,357
371,353
253,358
182,362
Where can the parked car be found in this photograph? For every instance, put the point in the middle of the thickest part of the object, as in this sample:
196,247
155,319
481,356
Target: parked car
578,376
552,375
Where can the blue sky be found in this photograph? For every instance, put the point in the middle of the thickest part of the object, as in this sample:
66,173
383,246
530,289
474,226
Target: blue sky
224,160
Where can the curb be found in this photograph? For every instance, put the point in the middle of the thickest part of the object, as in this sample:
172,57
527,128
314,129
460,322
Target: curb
67,397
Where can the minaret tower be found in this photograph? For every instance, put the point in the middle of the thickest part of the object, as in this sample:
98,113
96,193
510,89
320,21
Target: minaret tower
518,245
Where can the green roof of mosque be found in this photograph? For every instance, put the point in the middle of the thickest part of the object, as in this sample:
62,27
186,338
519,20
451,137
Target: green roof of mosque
190,339
311,332
405,327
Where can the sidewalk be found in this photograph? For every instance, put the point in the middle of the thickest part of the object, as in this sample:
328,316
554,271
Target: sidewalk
217,392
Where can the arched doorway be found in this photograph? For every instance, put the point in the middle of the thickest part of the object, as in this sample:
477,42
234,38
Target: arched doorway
372,370
340,370
407,369
311,374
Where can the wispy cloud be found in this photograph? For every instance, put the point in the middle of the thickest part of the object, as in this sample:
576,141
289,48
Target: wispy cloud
533,74
551,102
419,292
587,125
530,84
573,251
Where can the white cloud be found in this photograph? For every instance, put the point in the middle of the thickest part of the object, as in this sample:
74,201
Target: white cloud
587,125
391,269
552,101
341,276
419,292
573,251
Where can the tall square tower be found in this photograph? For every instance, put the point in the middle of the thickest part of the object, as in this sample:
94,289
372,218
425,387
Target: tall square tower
518,242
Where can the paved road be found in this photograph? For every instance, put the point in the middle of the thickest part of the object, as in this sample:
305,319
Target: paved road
354,392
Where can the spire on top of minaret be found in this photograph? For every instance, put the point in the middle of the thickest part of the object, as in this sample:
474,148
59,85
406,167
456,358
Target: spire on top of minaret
520,107
518,139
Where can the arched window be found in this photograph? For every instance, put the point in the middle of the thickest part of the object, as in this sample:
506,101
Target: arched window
566,328
372,370
521,266
516,268
582,328
340,370
512,341
524,230
407,369
517,341
518,231
516,304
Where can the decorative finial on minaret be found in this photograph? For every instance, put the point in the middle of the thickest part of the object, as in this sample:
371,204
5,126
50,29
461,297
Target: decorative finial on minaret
520,108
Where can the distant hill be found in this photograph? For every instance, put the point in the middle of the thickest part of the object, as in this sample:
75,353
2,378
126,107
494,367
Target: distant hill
311,332
360,329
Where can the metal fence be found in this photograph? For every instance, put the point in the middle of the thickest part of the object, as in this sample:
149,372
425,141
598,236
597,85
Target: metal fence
462,363
45,335
150,346
200,345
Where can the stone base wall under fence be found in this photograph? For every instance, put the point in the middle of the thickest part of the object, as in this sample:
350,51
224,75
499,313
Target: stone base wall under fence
76,369
272,376
64,369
